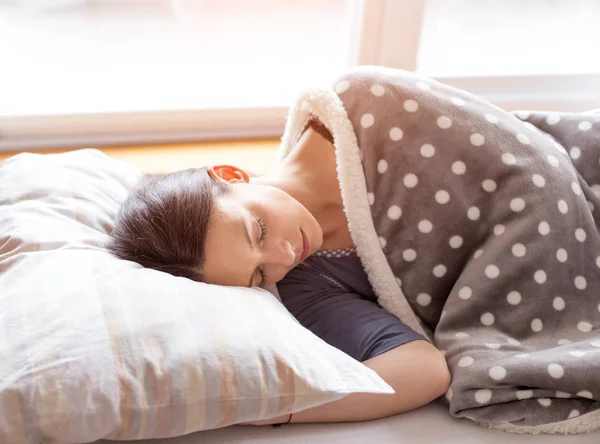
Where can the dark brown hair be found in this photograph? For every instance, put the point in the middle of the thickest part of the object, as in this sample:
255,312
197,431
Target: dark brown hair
163,223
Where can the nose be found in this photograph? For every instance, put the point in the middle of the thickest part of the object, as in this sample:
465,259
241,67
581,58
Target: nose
280,254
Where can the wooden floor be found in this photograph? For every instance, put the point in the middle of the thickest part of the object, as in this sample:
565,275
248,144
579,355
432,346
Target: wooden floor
256,156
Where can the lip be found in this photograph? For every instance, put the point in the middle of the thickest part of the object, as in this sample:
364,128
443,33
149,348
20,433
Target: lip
305,246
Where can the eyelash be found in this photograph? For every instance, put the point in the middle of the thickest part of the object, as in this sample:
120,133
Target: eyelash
263,235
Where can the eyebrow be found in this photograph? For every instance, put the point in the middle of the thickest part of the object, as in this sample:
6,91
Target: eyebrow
249,239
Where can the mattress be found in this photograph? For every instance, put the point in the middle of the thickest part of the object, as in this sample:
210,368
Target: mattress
431,424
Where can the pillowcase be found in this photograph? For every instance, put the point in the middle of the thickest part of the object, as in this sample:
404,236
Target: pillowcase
95,347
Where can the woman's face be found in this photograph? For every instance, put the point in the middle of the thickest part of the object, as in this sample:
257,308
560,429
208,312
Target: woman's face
256,235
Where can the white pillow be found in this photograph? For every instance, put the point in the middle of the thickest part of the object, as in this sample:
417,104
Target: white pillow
95,347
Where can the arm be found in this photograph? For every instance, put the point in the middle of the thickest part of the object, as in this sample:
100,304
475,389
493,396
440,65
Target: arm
417,372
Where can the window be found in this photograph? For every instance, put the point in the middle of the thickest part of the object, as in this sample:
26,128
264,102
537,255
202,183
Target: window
90,72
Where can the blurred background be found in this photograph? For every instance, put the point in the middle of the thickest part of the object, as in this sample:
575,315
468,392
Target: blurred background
112,72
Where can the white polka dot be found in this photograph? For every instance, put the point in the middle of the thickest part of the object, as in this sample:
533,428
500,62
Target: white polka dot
399,281
456,241
444,122
492,346
473,213
489,185
540,276
580,234
497,373
596,188
598,261
545,402
585,394
513,298
465,293
341,86
519,250
574,413
552,119
377,90
538,180
522,355
524,394
513,341
556,371
524,115
580,283
517,204
584,327
462,335
367,120
563,342
590,206
382,242
563,207
442,197
576,188
558,303
537,325
491,118
544,228
523,139
465,361
575,152
509,159
585,125
561,255
459,167
411,106
499,229
553,160
396,134
423,299
424,86
394,212
410,180
427,150
371,198
577,353
487,319
483,396
457,101
477,254
477,139
425,226
563,395
439,270
449,394
382,166
409,255
492,271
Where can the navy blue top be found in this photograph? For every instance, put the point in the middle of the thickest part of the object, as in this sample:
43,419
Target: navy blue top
329,294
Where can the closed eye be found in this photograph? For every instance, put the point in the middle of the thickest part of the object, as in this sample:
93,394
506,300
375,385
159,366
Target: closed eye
263,235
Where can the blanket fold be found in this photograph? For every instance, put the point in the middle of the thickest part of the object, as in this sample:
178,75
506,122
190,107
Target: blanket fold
477,227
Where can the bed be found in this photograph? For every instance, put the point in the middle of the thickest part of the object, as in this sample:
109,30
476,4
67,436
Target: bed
431,424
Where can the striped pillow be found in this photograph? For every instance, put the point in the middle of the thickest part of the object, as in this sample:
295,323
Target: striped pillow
94,347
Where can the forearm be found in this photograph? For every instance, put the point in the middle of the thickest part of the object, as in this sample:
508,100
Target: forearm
417,372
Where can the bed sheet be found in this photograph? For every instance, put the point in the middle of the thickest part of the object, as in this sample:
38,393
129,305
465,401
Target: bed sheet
431,424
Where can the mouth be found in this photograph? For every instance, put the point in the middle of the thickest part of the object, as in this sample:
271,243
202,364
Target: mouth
305,246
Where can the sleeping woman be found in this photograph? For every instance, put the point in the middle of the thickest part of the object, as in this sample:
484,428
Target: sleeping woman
404,213
220,226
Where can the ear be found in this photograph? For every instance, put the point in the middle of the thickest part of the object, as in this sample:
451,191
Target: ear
228,173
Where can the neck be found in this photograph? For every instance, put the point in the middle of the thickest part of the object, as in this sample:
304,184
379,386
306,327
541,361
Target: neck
308,174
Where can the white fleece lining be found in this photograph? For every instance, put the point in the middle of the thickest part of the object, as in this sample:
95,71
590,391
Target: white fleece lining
329,109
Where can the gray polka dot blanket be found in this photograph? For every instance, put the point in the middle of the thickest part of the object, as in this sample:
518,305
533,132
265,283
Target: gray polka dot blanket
477,227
